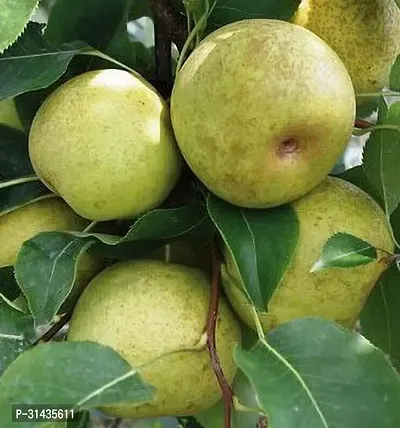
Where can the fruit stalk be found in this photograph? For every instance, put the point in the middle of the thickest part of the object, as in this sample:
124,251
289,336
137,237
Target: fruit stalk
211,345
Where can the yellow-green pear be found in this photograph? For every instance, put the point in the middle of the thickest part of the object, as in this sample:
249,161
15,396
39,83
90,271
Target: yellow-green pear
45,215
153,314
103,141
337,294
364,33
9,115
261,110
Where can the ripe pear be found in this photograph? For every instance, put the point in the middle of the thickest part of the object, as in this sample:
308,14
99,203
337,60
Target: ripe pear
103,141
9,115
45,215
262,110
337,294
365,34
153,314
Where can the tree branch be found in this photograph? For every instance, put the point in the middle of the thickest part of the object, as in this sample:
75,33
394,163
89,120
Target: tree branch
54,329
169,26
362,124
211,345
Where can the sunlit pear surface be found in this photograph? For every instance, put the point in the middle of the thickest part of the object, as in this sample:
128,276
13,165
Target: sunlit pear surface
154,314
338,294
261,110
103,141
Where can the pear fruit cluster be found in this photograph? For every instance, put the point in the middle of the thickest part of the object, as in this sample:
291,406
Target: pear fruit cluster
260,111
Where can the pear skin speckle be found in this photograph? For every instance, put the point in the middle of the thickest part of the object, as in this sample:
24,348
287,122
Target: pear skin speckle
145,309
365,34
261,110
337,294
104,142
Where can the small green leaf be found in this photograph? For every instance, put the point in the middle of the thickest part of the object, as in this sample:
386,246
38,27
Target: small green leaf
382,157
345,251
262,243
314,374
33,63
91,21
8,284
380,319
16,334
14,15
45,270
82,375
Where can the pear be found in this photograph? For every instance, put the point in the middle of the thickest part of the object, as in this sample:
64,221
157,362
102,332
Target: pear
103,141
365,34
262,110
9,115
337,294
45,215
153,314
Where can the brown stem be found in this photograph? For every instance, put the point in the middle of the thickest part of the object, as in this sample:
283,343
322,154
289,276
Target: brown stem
211,345
362,124
54,329
169,26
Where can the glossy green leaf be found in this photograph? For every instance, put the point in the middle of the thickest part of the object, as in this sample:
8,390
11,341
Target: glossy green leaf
14,15
315,374
16,334
382,157
91,21
380,318
45,270
262,243
72,374
33,63
345,251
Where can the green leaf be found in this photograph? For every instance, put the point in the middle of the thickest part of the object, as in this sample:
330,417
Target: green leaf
16,334
15,163
394,81
33,63
314,374
380,318
262,243
14,16
45,270
8,284
91,21
344,250
382,157
82,375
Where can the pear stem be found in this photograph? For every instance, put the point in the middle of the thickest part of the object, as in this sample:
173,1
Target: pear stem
21,180
54,329
210,327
